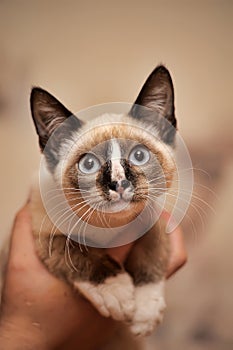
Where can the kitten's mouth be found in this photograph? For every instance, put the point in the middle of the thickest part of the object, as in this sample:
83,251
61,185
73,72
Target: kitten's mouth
125,195
119,201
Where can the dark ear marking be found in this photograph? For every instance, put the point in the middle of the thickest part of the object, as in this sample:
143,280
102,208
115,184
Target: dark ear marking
51,117
47,113
157,98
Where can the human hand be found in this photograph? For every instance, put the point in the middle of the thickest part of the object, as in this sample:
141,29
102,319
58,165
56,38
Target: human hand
178,253
43,312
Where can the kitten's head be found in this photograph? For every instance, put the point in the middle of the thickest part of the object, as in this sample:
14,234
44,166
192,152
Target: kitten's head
113,164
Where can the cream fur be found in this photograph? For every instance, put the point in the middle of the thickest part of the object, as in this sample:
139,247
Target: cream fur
113,298
150,305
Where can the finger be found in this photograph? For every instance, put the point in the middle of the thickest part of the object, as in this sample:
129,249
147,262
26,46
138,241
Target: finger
22,249
178,251
26,276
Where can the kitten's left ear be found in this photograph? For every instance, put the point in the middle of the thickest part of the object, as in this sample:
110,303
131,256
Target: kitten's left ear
157,96
54,124
48,115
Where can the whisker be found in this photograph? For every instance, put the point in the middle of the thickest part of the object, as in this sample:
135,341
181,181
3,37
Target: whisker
53,231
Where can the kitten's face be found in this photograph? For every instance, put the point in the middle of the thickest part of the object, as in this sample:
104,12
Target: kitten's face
116,164
113,170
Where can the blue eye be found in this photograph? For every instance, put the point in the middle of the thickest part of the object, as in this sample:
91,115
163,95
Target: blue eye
139,155
89,164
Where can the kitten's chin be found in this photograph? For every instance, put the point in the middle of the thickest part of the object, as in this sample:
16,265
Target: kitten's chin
118,214
118,206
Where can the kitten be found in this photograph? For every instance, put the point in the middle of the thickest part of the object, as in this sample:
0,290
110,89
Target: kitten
111,171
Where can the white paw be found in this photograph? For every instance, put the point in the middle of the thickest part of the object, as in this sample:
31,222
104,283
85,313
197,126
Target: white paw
114,297
150,306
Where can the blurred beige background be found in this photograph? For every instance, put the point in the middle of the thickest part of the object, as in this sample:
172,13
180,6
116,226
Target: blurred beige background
92,52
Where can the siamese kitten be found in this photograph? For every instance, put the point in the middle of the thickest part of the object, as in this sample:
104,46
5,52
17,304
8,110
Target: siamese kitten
109,169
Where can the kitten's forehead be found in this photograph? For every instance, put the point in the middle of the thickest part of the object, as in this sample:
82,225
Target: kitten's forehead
118,148
108,149
114,149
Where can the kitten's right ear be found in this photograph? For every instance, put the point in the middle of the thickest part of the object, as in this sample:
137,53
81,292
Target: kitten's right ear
48,114
155,103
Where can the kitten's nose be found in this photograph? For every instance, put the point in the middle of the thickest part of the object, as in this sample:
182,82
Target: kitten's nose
124,183
119,186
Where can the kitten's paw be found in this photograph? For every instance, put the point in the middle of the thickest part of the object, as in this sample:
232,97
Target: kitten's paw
114,297
150,306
